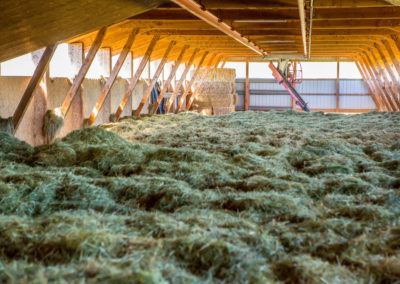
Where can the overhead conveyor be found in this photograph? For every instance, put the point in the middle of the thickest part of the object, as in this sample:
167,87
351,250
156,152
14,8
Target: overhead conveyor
281,78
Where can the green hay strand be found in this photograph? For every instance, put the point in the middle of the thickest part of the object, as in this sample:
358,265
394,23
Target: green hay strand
248,197
53,122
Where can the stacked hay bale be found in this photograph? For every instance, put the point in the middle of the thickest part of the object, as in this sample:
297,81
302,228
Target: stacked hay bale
217,94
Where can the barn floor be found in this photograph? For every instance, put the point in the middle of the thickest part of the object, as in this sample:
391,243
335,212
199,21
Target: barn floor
246,197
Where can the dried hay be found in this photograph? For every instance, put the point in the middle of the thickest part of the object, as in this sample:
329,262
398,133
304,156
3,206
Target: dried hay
7,125
216,92
214,100
222,88
53,123
218,75
247,197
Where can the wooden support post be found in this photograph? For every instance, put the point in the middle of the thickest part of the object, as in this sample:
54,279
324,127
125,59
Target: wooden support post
378,83
396,41
386,80
136,78
113,76
155,78
370,77
223,63
34,81
218,61
83,70
337,83
386,91
392,56
386,66
247,87
189,86
170,78
370,89
203,76
183,77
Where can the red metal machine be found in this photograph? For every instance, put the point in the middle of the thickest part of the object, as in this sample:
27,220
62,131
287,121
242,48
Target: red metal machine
281,78
294,73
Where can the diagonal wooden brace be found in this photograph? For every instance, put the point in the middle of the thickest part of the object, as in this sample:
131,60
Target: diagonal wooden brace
155,78
114,73
170,78
35,79
183,77
188,87
136,78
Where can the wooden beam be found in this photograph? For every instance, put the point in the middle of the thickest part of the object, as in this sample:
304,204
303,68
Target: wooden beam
247,87
180,82
302,15
366,82
113,76
189,86
394,2
83,70
170,78
33,82
210,18
155,78
223,64
218,61
386,80
136,78
203,76
379,82
374,83
392,56
389,70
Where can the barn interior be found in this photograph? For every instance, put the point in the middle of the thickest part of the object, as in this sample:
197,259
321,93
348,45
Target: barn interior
133,151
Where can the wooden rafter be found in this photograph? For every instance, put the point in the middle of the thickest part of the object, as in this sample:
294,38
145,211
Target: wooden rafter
83,70
192,96
170,78
370,88
191,82
375,83
180,82
155,78
114,73
136,77
33,82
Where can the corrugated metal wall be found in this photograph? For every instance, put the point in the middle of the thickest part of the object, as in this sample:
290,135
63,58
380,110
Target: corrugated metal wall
319,94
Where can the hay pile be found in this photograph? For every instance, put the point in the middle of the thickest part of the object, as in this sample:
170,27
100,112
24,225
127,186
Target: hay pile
242,198
217,94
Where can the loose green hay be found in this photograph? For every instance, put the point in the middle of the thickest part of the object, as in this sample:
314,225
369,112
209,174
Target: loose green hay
242,198
53,122
7,125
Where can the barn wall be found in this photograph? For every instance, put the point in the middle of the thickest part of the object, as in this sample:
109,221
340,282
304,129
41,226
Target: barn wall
51,94
320,94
